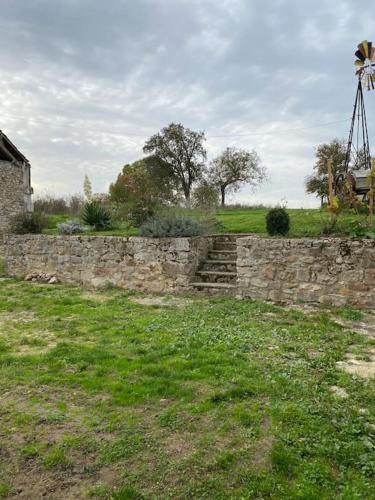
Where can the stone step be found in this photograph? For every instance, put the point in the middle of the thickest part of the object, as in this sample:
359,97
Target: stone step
225,238
217,276
219,261
198,284
219,289
218,273
219,266
223,251
222,255
225,244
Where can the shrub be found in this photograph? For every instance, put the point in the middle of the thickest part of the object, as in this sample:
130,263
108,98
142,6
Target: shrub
96,216
277,221
26,223
171,227
211,224
70,227
139,214
360,207
49,204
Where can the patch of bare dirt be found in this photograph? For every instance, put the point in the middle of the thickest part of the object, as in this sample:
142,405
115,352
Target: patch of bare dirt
362,367
19,317
161,301
366,326
307,309
48,425
263,447
340,392
96,296
178,446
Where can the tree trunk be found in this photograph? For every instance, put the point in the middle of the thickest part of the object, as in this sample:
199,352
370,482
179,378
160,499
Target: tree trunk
222,190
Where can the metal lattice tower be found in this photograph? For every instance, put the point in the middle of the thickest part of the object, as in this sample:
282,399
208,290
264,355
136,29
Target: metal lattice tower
358,150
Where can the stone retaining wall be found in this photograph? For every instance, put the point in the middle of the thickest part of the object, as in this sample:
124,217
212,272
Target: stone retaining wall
329,271
157,265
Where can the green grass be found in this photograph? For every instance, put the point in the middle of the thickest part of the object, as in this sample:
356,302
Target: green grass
304,222
122,230
104,398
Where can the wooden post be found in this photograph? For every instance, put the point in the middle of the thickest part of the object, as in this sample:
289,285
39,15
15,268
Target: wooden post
371,192
330,182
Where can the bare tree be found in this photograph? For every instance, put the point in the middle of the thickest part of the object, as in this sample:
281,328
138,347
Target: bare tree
182,150
235,167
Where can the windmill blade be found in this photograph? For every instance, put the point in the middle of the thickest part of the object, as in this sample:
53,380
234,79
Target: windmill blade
363,48
372,55
360,56
369,49
358,62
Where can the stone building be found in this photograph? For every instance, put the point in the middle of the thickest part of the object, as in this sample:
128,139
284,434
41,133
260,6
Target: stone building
15,184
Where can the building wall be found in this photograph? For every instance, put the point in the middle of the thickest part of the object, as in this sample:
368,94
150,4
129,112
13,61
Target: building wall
330,271
156,265
15,192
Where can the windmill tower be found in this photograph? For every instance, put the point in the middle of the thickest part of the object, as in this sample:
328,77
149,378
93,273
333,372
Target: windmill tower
358,155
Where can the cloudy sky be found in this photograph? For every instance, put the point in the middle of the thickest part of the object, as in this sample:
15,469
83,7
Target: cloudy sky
85,82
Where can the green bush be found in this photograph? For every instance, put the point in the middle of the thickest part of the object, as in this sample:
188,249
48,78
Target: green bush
26,223
277,221
138,214
171,227
96,215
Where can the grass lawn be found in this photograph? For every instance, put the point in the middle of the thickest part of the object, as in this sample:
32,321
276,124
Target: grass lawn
304,222
102,397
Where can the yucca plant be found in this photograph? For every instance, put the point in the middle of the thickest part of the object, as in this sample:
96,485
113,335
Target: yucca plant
96,215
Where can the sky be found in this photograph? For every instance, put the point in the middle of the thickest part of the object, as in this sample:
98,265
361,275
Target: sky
84,83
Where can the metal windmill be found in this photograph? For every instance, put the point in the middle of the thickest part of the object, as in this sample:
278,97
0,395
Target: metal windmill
358,150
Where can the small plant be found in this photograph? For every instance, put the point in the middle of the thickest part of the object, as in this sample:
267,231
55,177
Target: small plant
96,215
70,227
171,227
26,223
277,221
360,229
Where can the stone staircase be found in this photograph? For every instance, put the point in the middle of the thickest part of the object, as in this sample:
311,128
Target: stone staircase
218,273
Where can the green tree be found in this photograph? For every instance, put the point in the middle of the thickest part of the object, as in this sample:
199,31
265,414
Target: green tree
317,183
141,187
146,181
181,150
205,196
235,167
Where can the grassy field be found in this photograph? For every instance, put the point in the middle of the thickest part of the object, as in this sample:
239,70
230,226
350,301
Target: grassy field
106,397
304,222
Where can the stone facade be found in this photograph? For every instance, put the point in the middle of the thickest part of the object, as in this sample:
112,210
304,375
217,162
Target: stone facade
329,271
15,191
156,265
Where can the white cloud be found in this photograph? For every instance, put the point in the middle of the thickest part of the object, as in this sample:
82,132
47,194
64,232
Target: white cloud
83,97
